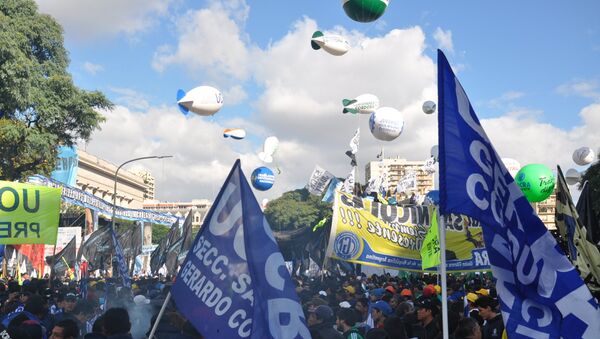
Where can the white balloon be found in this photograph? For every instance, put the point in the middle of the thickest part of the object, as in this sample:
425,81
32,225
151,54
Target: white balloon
386,123
364,103
332,44
512,166
269,148
202,100
572,176
429,107
583,156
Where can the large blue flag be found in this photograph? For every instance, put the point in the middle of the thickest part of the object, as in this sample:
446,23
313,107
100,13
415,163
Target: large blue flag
541,293
234,282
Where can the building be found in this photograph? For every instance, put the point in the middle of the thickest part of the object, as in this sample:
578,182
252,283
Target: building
546,211
149,180
199,208
97,176
396,169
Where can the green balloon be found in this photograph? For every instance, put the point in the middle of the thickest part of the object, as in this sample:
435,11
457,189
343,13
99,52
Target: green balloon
365,10
536,182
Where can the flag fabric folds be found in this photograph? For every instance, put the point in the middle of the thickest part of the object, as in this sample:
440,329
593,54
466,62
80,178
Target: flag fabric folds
430,251
180,246
234,282
587,215
159,255
541,293
584,255
63,260
121,263
97,249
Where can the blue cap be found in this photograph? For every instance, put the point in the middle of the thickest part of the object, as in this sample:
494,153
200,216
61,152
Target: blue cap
378,292
384,307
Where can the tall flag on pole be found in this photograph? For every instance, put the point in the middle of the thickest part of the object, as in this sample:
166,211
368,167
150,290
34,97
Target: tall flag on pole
541,293
180,246
234,282
159,255
584,254
63,260
96,250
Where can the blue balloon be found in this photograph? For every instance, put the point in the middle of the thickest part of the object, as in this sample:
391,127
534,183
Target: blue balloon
262,178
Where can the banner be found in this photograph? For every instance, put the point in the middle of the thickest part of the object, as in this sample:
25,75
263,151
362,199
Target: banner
66,166
28,214
78,197
234,282
430,251
371,233
540,292
319,179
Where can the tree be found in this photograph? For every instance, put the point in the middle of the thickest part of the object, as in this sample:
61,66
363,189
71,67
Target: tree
296,209
40,107
592,176
159,232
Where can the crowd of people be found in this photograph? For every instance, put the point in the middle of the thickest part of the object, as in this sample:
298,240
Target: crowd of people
349,307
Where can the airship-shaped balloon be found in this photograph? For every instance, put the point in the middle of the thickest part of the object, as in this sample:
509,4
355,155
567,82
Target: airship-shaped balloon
572,176
429,107
332,44
262,178
512,166
583,156
234,133
269,148
202,100
386,123
365,10
364,103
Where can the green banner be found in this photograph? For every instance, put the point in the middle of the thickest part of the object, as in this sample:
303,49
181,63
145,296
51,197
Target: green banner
430,251
28,214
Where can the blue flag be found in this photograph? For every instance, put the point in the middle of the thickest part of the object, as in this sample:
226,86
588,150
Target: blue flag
234,282
121,263
541,293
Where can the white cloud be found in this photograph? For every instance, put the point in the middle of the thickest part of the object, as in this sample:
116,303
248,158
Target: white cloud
85,20
505,98
583,88
444,40
131,98
92,68
300,103
210,39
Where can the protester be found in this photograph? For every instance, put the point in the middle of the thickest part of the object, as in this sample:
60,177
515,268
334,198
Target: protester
426,311
493,326
65,329
346,318
115,324
320,323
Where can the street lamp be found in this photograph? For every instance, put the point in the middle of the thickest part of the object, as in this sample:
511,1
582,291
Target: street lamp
116,178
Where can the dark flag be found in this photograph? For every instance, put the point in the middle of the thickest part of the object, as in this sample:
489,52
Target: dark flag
234,283
159,255
587,215
583,253
131,243
63,260
180,246
533,276
97,249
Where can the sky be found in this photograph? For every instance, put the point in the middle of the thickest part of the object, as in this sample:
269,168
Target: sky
530,68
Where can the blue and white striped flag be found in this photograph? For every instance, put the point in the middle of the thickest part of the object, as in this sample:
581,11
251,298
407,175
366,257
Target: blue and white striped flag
541,293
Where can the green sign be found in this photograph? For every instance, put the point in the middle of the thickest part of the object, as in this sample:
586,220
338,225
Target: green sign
28,214
430,252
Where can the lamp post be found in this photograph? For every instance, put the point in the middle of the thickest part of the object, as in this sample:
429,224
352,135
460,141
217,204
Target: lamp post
116,178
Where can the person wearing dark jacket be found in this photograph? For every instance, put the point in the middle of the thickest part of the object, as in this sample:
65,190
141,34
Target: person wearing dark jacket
116,324
494,325
320,323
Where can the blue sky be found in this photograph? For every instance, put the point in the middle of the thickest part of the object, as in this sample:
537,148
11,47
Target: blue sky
530,68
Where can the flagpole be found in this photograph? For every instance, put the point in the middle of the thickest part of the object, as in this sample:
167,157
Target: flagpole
442,239
159,316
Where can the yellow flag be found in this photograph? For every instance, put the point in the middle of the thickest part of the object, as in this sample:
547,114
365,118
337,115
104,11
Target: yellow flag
28,214
430,252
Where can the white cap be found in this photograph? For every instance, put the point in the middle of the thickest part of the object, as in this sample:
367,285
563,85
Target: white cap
345,304
323,293
140,300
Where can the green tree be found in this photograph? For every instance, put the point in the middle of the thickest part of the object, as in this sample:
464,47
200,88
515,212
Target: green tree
592,176
159,232
295,209
40,107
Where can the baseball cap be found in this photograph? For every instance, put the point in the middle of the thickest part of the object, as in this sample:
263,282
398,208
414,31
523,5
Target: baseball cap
350,289
384,307
483,291
427,303
140,300
472,297
390,289
345,304
323,293
378,292
428,290
406,293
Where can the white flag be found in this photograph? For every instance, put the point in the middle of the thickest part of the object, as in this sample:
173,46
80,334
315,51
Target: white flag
348,186
354,141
